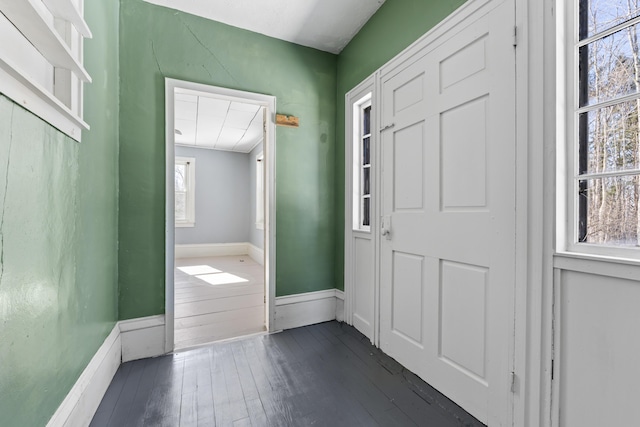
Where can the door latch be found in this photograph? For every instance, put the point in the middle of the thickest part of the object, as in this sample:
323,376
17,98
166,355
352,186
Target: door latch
386,227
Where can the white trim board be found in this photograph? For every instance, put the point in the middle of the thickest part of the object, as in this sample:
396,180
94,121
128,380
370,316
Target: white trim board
82,401
256,253
211,249
294,311
129,340
142,337
340,305
219,249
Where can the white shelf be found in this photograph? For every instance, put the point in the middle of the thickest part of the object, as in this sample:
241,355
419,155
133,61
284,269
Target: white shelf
66,10
39,101
31,17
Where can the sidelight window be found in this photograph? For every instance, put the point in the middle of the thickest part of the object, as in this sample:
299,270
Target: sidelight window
363,175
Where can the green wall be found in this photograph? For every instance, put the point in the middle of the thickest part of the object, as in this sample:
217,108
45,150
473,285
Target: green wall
155,43
396,25
58,224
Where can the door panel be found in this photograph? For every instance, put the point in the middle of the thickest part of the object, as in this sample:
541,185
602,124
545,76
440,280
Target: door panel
462,331
447,265
408,166
363,301
406,316
464,177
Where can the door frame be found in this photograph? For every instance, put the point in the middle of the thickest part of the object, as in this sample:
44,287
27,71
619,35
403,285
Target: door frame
269,152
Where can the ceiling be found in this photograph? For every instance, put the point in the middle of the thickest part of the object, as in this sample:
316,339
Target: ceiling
326,25
205,122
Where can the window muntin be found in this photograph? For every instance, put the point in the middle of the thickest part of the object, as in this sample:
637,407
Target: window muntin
185,192
363,175
606,167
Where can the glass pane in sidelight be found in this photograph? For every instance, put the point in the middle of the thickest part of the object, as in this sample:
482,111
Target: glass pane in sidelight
366,121
366,211
366,181
366,152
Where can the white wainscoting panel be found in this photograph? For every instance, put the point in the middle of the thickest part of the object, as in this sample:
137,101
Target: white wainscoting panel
78,408
142,337
597,349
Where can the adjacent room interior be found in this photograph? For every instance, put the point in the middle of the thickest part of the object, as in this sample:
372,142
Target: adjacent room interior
219,218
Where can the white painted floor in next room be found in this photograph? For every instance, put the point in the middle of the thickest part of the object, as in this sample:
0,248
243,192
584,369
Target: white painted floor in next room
217,298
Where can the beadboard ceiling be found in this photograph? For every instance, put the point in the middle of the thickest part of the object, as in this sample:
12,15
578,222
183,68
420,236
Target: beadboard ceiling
214,123
326,25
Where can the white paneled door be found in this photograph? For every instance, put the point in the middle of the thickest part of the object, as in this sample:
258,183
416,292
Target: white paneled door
448,208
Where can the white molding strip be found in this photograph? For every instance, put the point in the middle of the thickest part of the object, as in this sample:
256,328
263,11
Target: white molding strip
294,311
256,253
85,396
212,249
142,337
305,297
339,305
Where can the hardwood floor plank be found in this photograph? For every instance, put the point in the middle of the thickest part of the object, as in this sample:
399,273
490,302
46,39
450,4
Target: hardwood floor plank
166,397
212,318
206,312
204,389
202,293
110,399
324,375
218,305
125,400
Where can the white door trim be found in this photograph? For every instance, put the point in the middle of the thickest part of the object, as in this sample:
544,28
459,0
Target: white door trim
267,101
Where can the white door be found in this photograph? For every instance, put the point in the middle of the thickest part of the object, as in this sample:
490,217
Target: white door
448,206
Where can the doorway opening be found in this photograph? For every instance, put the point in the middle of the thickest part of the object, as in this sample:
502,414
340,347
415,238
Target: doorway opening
220,247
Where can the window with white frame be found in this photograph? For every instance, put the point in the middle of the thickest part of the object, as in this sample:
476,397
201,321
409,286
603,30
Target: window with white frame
362,173
41,59
260,191
603,99
185,188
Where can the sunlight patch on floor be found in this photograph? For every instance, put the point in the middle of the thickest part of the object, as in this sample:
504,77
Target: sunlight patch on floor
221,278
196,270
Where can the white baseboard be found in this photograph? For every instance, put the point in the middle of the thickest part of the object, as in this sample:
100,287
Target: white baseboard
255,253
339,305
294,311
142,337
211,249
78,408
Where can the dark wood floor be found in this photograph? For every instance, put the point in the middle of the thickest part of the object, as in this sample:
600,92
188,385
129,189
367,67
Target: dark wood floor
321,375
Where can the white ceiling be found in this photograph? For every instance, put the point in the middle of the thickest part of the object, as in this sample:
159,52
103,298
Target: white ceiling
206,122
327,25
